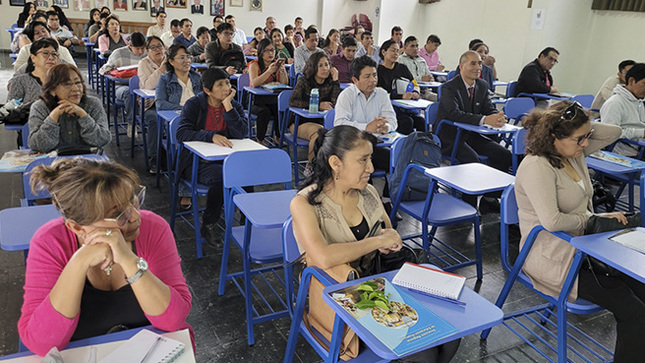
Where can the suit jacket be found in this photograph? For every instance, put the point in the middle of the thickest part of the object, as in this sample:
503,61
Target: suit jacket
532,79
455,105
194,9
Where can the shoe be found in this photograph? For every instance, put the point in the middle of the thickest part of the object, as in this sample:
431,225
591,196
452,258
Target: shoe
212,233
487,206
153,169
185,203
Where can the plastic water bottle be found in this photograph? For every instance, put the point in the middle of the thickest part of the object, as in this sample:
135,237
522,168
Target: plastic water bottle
313,101
11,105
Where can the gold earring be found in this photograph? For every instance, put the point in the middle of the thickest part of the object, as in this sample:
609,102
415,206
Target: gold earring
336,176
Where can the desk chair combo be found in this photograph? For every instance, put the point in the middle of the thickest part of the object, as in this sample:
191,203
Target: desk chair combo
534,325
138,121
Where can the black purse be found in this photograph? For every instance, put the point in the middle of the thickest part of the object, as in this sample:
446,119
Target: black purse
599,224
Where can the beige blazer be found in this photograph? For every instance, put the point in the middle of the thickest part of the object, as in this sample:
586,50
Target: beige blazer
548,196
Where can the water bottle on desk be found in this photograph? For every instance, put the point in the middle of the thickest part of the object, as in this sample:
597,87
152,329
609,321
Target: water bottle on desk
313,101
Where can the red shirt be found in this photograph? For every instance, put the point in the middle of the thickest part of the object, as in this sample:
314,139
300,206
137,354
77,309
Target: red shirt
215,119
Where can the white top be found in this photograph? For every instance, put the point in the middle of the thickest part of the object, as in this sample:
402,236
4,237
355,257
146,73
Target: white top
186,91
25,52
167,38
353,108
156,30
300,57
581,183
239,37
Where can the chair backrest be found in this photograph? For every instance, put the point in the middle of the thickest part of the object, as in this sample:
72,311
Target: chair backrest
430,115
439,92
515,108
283,109
510,89
451,75
257,167
292,76
518,147
289,244
133,83
172,131
243,81
298,75
584,100
508,215
328,119
24,135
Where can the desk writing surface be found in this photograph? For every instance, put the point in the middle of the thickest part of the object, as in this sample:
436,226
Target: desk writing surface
18,225
168,115
266,209
426,84
304,112
622,258
609,167
488,130
82,353
477,315
439,73
209,150
419,104
145,93
471,178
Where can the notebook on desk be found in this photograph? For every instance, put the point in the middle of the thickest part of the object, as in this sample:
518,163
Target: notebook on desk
208,149
146,344
429,281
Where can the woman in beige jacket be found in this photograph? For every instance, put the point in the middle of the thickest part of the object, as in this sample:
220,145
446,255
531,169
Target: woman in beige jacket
553,189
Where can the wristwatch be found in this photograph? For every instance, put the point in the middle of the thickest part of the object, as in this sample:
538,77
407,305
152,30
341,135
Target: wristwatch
142,266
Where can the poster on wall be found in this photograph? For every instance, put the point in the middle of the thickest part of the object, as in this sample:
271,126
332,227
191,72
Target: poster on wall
41,3
217,7
139,5
197,7
17,2
62,3
99,4
177,4
120,5
256,5
156,7
237,3
82,5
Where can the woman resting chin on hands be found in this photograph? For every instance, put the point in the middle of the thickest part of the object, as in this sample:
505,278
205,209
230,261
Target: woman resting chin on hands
105,265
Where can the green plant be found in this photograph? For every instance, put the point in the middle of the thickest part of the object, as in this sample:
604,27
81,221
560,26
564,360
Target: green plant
372,297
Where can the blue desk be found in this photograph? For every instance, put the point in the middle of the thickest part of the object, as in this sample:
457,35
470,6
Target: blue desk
88,52
431,85
345,85
257,91
624,259
439,74
110,91
143,95
412,105
196,66
478,314
549,96
293,138
18,225
12,32
164,117
620,172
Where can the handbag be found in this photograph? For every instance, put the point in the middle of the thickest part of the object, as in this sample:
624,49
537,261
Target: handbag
321,316
17,116
599,224
384,262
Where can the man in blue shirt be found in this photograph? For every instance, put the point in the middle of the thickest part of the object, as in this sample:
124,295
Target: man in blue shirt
186,37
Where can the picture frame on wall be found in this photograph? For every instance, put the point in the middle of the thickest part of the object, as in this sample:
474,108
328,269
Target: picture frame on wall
156,7
62,3
197,7
120,5
217,7
256,5
82,5
237,3
17,2
176,4
139,5
99,4
40,4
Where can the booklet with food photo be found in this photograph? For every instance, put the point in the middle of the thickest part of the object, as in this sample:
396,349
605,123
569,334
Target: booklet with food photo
394,317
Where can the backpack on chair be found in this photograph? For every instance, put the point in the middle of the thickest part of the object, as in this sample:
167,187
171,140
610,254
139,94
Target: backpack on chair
417,148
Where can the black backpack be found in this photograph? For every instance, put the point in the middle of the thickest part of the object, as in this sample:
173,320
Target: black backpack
417,148
234,58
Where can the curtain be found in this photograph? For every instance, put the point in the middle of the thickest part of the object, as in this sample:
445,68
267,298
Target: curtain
619,5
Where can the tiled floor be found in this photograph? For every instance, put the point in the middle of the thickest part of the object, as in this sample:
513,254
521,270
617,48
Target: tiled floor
219,321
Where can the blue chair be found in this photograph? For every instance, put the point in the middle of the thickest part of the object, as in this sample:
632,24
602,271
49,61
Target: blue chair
584,100
452,158
313,337
24,136
510,89
283,113
541,313
451,75
516,108
117,104
138,120
18,225
437,210
430,115
263,245
517,148
292,76
245,81
195,188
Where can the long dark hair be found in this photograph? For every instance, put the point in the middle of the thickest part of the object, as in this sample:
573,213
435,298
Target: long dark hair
57,75
254,42
545,126
261,46
327,42
38,45
95,10
336,141
26,8
311,67
172,53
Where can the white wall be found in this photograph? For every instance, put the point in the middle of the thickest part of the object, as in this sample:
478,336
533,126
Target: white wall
592,43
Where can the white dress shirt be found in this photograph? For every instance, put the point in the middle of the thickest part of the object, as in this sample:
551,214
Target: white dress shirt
353,108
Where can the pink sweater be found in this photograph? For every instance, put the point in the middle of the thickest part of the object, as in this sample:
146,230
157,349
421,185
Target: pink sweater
41,327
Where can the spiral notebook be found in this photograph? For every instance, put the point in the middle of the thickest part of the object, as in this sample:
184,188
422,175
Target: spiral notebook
142,343
430,281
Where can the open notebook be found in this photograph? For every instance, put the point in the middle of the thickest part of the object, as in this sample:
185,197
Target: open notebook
142,343
429,281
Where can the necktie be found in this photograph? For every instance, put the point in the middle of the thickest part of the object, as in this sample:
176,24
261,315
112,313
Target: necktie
548,83
471,93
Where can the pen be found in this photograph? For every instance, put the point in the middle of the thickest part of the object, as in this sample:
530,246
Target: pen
152,348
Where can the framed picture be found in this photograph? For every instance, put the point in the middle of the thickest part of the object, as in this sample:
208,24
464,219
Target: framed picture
177,4
82,5
217,7
157,6
256,5
17,2
62,3
41,4
120,5
139,5
237,3
99,4
197,7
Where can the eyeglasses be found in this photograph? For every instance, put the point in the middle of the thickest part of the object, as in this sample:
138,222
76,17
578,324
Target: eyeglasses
77,84
49,54
552,60
571,112
183,57
228,34
156,47
270,50
580,140
123,218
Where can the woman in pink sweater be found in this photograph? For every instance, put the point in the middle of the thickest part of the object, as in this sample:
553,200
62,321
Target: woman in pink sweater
105,265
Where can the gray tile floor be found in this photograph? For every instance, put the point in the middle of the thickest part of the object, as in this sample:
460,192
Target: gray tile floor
219,321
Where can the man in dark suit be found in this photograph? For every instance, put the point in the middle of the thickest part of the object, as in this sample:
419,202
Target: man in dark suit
197,7
465,99
536,76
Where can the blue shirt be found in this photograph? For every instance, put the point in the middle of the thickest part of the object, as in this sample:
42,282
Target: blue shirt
181,39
